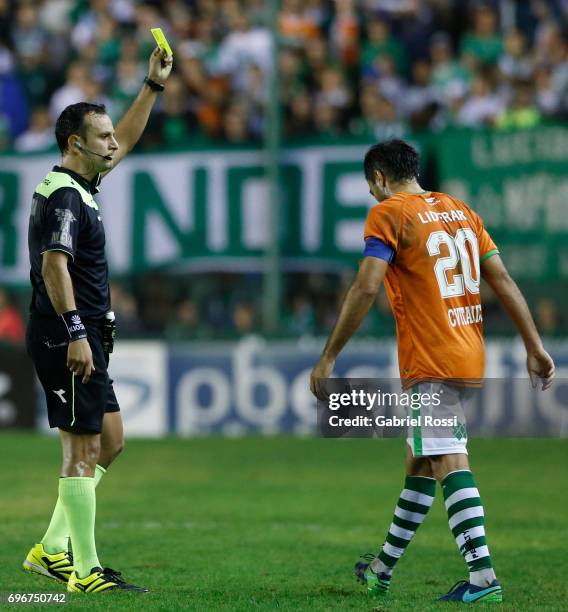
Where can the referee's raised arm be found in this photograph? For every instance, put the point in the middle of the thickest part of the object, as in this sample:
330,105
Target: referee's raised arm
131,126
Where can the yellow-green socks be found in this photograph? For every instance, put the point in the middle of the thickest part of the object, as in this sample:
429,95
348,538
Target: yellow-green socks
56,538
77,496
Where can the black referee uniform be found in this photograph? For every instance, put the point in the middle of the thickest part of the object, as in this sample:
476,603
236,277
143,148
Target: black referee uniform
65,217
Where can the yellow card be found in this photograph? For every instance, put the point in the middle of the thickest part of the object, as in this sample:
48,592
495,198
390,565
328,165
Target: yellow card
161,40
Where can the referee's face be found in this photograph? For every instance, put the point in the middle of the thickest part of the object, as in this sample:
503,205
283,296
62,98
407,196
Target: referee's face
100,139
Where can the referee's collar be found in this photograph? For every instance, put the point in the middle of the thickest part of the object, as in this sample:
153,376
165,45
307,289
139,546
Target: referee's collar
91,186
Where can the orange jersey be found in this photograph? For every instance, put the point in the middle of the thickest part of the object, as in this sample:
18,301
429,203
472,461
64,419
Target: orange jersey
433,284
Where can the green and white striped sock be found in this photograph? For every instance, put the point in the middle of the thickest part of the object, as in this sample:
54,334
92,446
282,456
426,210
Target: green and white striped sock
415,500
467,522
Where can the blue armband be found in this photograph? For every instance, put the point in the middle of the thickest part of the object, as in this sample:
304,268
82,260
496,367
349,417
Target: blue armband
375,247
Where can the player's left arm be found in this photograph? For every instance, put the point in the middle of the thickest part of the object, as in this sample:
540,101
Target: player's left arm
131,126
539,362
355,307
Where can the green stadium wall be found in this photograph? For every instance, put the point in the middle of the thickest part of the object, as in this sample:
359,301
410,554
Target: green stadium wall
208,209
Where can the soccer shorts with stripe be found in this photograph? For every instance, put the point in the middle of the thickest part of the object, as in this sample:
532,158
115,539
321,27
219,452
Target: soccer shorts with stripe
71,405
445,403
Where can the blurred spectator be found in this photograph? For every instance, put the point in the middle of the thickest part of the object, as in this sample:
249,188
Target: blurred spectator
244,46
388,82
11,322
299,121
548,100
243,318
55,17
125,311
297,23
39,135
289,69
6,16
7,62
380,42
206,94
344,33
558,62
421,101
319,12
515,62
333,90
4,133
379,119
200,41
173,123
482,106
257,94
107,41
74,89
155,298
395,9
495,319
449,78
546,315
187,324
235,123
484,42
301,318
522,114
547,38
327,121
94,93
31,43
129,75
29,39
13,98
317,59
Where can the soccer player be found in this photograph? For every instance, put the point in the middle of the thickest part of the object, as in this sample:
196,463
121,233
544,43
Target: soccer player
431,250
70,332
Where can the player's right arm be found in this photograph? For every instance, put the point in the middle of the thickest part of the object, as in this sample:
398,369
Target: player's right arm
382,229
60,291
358,300
539,362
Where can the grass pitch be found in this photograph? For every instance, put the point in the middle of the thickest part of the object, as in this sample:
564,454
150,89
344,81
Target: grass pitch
277,523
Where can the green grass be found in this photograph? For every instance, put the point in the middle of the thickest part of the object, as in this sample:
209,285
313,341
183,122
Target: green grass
265,524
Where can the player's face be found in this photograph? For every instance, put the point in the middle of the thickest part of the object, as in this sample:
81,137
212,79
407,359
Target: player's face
377,189
100,139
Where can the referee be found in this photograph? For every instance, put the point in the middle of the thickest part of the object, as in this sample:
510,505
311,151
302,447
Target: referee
71,329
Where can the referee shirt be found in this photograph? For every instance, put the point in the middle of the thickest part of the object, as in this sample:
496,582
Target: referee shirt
65,217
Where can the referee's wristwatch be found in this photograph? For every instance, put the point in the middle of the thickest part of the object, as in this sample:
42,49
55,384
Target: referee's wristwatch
153,85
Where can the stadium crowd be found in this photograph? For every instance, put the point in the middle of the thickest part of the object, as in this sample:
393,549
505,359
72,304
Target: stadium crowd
227,307
371,68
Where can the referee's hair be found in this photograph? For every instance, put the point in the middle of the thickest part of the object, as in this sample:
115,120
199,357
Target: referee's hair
398,160
71,121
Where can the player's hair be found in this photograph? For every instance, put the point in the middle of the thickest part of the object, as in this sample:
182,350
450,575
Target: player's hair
395,158
72,121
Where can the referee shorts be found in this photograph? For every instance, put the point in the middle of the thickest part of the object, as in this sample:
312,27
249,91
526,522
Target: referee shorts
71,405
